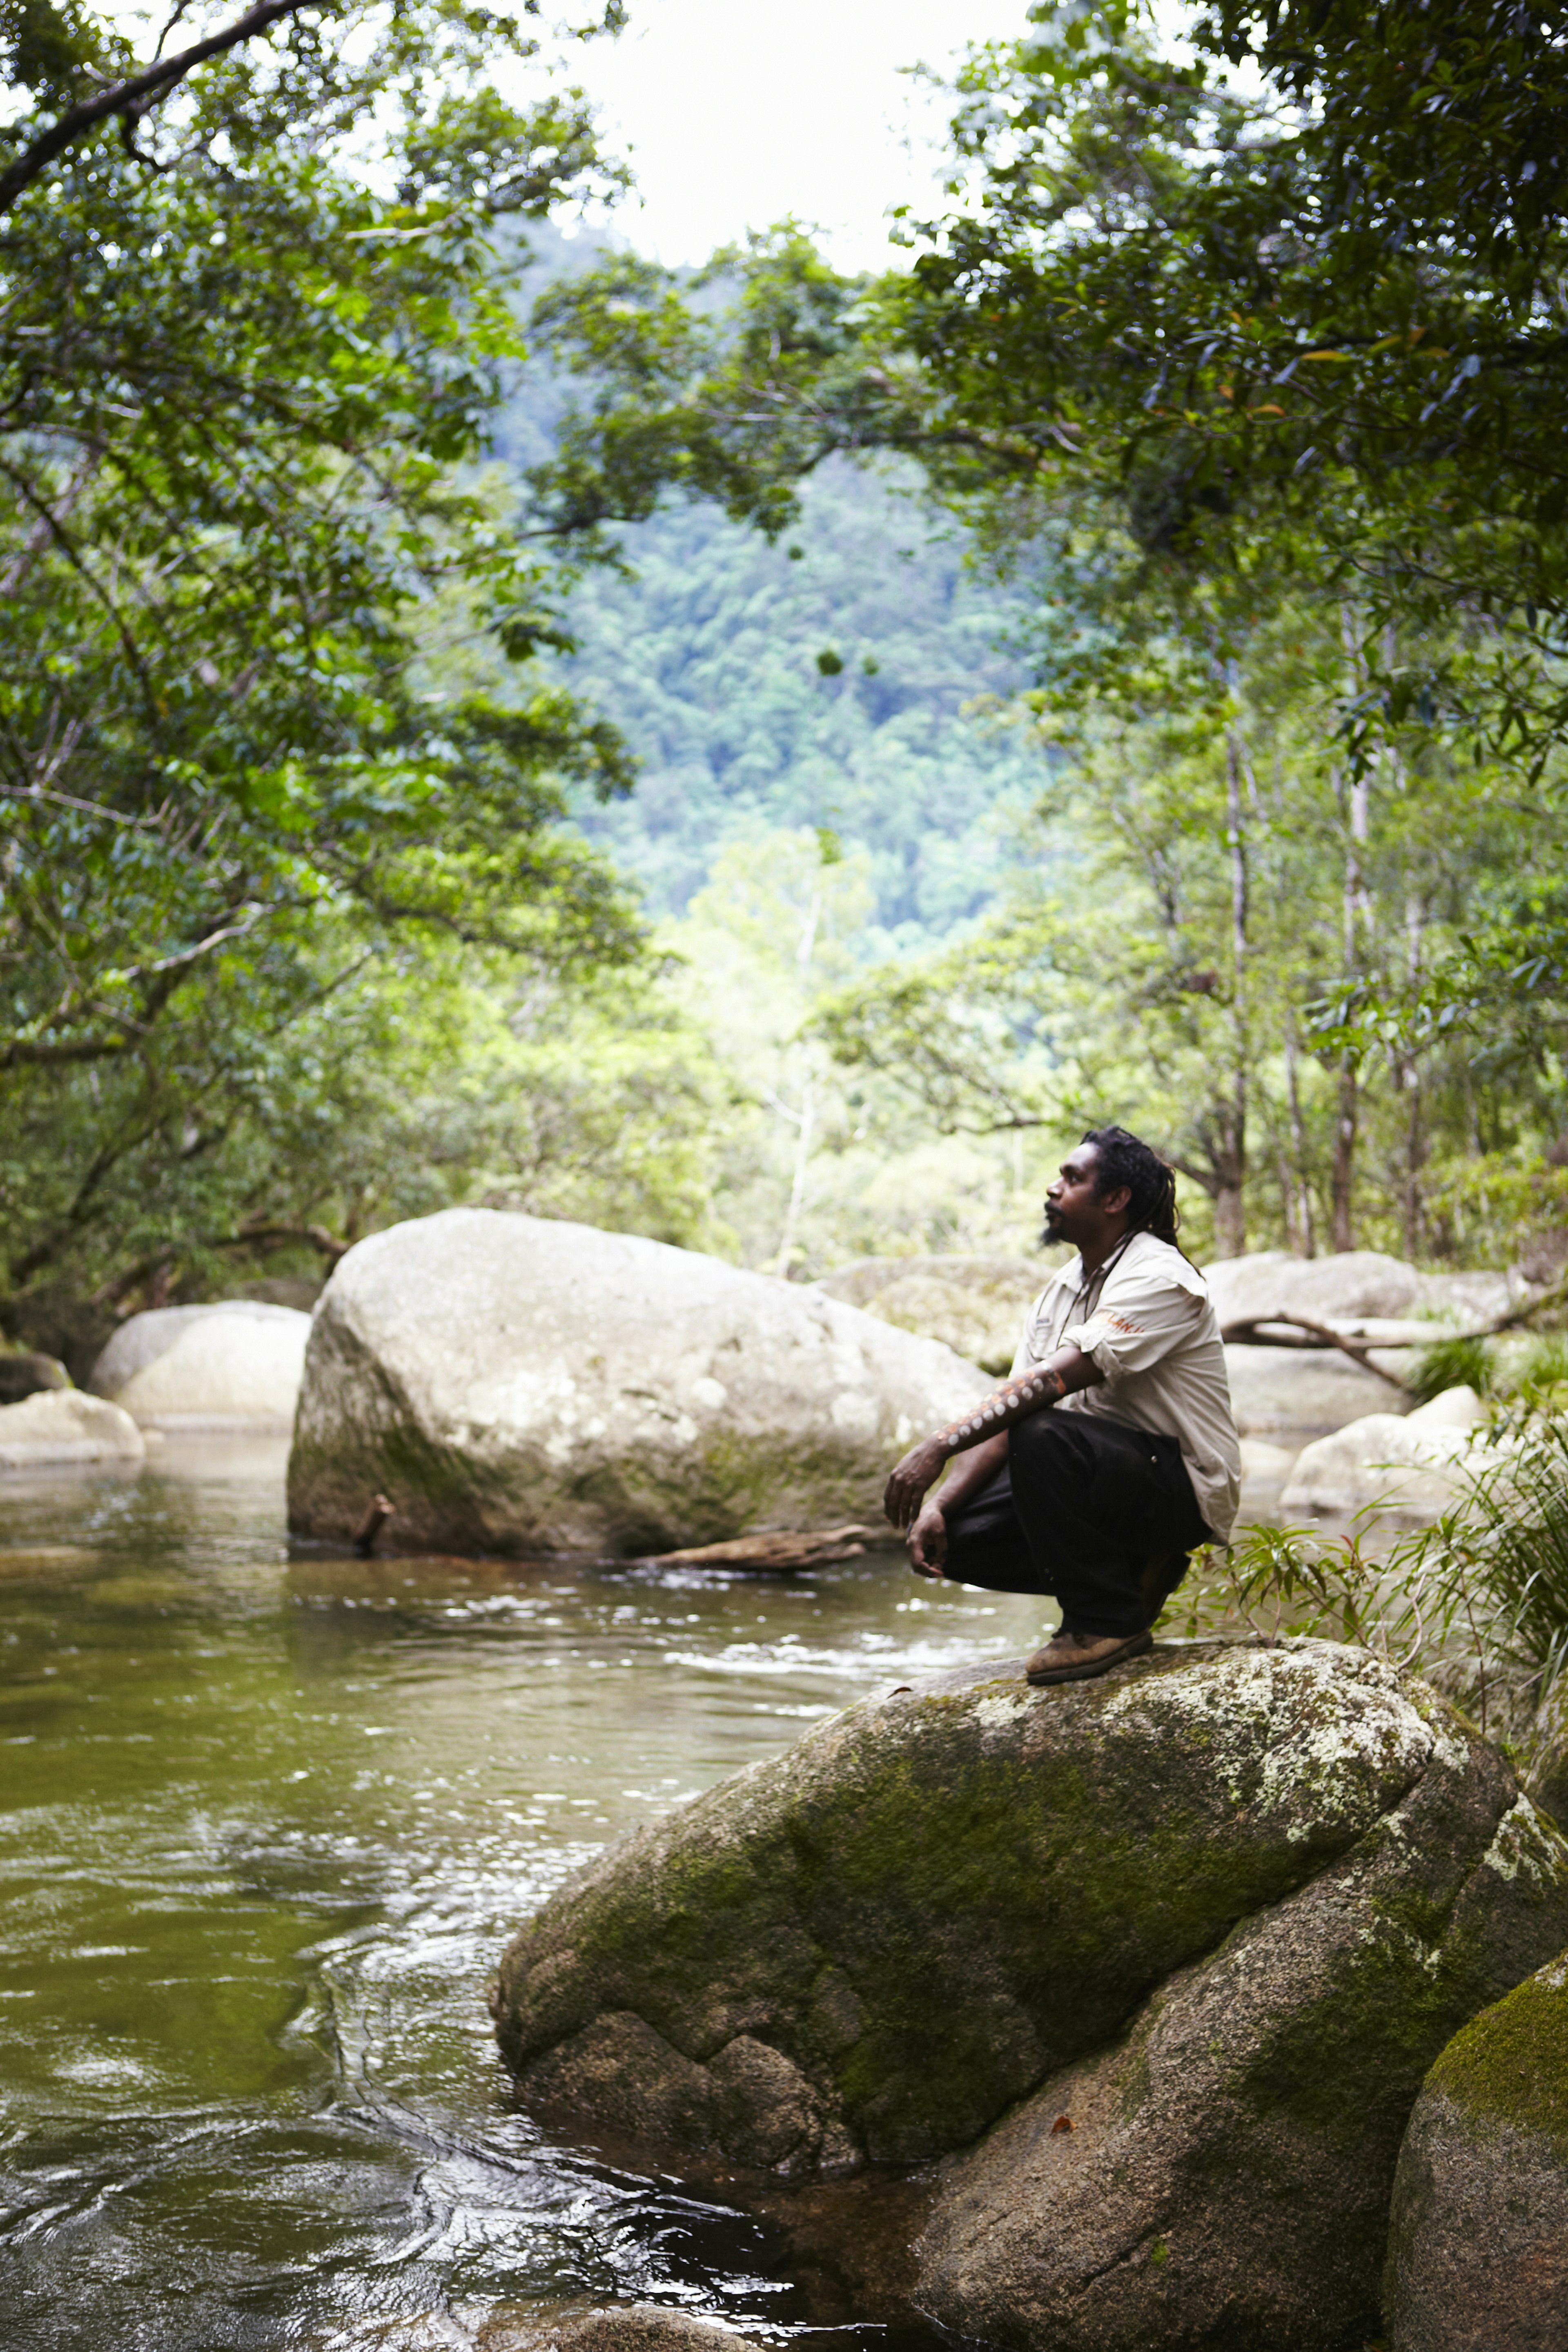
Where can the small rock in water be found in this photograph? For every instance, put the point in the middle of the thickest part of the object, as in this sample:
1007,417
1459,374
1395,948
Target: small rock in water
66,1425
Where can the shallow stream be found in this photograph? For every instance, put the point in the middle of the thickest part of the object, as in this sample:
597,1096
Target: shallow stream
265,1825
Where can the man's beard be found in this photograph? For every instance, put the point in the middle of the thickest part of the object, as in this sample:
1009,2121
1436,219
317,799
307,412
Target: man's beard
1051,1231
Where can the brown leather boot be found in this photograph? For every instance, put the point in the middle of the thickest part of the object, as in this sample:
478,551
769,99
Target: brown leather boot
1078,1658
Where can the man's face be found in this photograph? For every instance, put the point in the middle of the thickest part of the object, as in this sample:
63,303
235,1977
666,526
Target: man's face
1074,1212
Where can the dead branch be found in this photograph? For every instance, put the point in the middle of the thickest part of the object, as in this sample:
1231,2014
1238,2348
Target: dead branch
1322,1335
374,1520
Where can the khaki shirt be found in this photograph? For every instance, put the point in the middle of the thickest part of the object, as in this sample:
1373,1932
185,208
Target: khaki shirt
1147,1321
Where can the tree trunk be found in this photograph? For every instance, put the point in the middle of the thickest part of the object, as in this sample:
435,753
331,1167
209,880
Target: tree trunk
1414,1203
1357,920
1345,1121
1299,1196
1229,1221
1229,1204
1414,1101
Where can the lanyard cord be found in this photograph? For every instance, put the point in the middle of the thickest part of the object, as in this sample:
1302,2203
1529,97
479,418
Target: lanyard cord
1094,1282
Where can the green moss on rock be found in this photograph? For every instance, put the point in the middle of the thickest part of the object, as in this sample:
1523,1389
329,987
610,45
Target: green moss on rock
1510,2066
990,1878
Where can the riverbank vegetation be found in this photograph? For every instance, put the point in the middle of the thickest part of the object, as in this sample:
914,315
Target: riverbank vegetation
758,756
1477,1603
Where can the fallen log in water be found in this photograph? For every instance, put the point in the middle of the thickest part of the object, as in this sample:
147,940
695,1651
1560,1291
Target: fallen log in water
778,1550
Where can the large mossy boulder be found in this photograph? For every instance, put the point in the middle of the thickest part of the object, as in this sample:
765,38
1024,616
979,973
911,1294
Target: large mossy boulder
1478,2249
1149,1969
525,1386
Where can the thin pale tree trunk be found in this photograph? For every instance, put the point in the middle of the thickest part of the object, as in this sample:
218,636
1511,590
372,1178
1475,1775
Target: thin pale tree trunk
1230,1203
1299,1197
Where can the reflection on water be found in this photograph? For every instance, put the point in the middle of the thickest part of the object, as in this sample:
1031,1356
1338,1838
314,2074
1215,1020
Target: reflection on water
267,1825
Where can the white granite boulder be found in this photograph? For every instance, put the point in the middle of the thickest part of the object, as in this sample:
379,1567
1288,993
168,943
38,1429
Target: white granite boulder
235,1365
1301,1393
65,1425
1344,1287
1351,1289
1411,1465
975,1305
526,1386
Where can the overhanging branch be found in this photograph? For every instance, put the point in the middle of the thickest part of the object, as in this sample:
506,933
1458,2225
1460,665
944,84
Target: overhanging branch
128,97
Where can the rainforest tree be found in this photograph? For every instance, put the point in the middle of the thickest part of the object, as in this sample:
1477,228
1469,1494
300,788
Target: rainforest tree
254,320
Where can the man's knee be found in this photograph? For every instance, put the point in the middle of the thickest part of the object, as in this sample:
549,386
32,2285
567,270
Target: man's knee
1047,1445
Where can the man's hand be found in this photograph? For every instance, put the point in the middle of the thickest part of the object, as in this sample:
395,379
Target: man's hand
920,1468
926,1543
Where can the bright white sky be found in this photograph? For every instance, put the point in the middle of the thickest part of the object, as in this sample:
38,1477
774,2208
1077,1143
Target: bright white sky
735,112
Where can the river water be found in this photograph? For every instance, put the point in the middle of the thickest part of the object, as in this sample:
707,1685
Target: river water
267,1825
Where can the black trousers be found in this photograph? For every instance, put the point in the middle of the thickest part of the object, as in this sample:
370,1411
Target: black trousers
1090,1512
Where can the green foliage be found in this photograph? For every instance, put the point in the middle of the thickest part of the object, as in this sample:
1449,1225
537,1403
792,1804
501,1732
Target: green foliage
809,1166
738,404
1478,1603
1229,349
1544,1369
1200,872
242,539
706,660
1495,1204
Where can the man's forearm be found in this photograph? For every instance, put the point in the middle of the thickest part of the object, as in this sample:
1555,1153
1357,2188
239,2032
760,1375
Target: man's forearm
1036,1391
968,1472
921,1467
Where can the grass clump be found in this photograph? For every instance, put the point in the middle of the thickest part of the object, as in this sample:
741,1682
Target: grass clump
1545,1371
1459,1362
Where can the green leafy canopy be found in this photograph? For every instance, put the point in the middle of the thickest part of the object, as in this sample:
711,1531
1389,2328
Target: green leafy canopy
252,333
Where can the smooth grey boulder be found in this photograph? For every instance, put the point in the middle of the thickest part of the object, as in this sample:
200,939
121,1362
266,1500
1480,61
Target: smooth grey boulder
975,1305
1477,2247
1349,1288
1346,1284
1301,1392
522,1385
65,1425
237,1364
1410,1467
1219,1909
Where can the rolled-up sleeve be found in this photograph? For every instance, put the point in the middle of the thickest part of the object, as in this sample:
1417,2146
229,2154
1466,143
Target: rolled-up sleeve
1138,1320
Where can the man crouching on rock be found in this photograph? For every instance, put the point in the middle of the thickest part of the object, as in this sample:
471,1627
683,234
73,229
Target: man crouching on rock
1112,1451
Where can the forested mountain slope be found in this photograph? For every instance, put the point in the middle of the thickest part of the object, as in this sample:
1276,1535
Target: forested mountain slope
708,660
706,657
